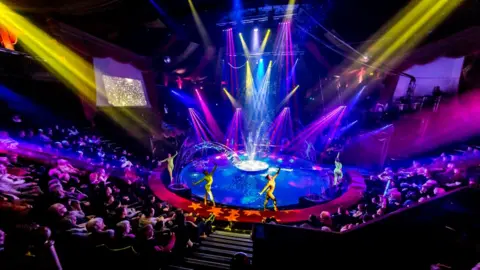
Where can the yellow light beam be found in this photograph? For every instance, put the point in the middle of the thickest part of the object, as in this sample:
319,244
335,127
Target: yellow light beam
231,98
264,42
244,46
290,7
200,27
408,29
403,33
285,100
248,82
415,33
67,66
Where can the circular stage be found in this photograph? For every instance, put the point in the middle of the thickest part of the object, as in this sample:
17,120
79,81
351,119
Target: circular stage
239,184
252,166
223,212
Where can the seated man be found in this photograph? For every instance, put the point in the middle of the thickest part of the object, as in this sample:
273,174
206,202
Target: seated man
99,234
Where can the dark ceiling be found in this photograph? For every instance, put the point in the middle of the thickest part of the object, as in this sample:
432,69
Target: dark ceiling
123,22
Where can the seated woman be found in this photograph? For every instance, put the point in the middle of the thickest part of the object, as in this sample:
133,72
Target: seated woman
148,218
123,236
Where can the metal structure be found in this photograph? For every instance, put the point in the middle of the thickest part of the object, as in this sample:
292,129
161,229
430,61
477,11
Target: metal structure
189,151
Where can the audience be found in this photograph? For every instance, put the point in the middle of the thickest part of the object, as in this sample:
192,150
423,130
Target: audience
404,188
91,192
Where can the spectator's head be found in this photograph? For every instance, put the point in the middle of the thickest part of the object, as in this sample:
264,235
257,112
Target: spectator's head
69,221
326,218
95,225
326,229
123,227
179,219
101,171
313,219
110,199
151,198
438,191
3,169
58,210
150,212
13,158
147,231
17,119
2,238
108,191
121,212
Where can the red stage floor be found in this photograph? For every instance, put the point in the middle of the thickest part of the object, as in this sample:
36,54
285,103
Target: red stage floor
349,198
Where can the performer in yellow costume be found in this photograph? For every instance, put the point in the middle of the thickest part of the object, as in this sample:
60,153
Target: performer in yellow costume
208,178
270,188
338,174
170,166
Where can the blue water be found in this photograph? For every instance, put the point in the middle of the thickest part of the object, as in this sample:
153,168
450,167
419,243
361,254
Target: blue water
236,188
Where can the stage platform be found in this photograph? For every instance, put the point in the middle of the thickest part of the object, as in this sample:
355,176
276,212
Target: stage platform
226,212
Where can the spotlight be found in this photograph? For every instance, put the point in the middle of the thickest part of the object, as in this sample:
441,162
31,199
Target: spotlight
167,59
261,59
255,29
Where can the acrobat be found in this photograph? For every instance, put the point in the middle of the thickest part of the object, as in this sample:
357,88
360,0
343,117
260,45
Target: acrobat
270,188
208,178
170,165
338,174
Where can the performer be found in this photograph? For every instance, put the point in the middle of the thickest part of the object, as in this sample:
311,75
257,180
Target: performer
309,149
270,188
208,178
338,171
170,166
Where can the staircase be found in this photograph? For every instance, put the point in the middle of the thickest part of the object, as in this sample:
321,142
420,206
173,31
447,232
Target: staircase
217,250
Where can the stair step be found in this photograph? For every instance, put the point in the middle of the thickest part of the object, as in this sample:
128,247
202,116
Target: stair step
221,251
212,257
209,264
248,240
232,234
227,246
174,267
228,241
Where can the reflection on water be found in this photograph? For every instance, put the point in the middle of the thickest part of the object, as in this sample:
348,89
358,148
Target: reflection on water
237,188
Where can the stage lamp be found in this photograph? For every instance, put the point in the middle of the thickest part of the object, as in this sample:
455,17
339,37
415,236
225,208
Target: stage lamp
255,29
261,59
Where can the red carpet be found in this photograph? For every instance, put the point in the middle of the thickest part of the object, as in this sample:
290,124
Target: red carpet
349,198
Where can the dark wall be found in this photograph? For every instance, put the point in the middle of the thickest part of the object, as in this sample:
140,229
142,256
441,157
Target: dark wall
443,230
